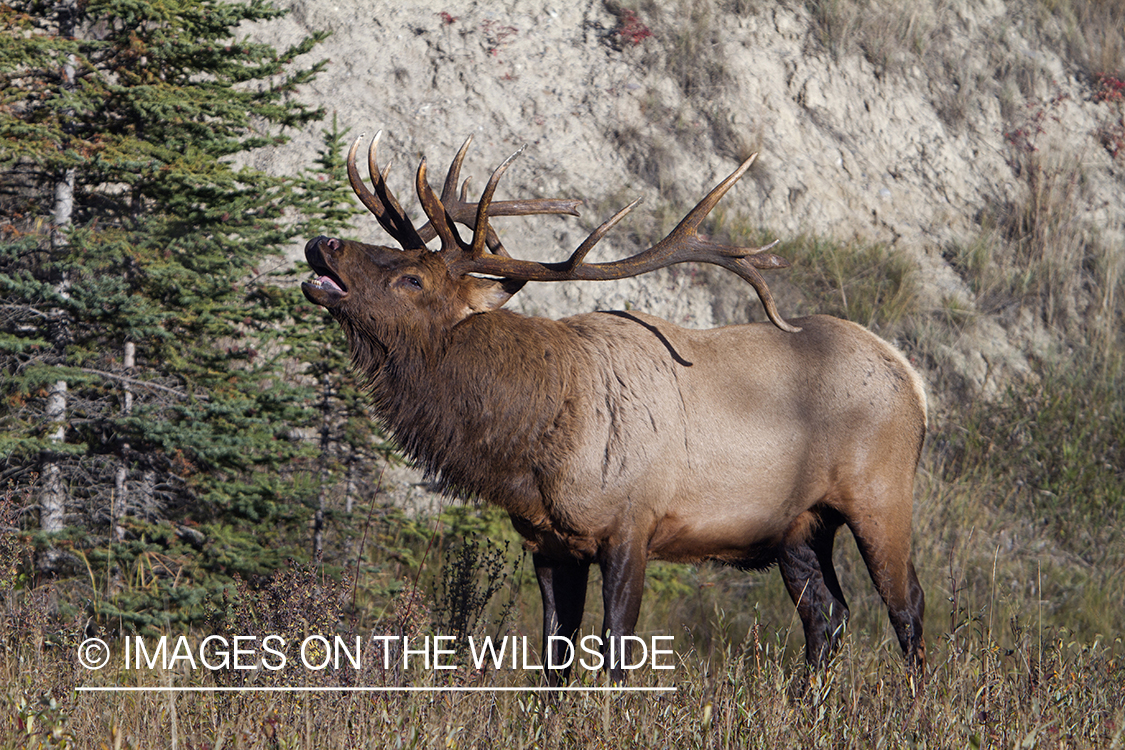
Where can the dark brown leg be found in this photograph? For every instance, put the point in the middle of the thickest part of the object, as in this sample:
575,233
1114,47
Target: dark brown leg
897,582
623,583
885,546
563,587
810,578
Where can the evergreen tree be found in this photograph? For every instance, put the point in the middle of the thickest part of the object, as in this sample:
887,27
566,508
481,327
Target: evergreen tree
349,444
145,386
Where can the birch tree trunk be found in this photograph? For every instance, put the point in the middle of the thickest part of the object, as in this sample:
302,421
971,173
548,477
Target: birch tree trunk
120,503
53,496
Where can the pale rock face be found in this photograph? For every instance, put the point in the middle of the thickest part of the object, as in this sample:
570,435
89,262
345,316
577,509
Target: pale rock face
845,151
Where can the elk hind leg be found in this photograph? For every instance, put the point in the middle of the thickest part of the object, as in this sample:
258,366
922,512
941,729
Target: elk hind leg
806,567
884,544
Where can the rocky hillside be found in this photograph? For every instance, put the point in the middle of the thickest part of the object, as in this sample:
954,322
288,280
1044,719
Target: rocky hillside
977,140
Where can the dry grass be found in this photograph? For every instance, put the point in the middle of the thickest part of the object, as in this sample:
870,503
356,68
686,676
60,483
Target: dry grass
1046,688
893,35
889,34
1024,642
1094,31
1034,250
870,283
1039,254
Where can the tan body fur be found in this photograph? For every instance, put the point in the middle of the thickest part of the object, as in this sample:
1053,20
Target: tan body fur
645,424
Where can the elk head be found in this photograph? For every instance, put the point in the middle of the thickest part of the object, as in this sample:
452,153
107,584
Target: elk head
399,297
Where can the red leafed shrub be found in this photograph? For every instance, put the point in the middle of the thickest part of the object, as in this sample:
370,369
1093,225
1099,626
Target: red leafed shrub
631,28
1111,133
1109,89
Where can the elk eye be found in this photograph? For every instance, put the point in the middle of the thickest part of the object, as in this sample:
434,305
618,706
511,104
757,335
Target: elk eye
410,282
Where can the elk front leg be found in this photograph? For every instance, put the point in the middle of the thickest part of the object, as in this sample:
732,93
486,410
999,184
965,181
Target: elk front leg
811,583
563,588
623,583
806,566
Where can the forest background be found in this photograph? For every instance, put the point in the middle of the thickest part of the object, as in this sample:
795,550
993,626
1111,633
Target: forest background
183,448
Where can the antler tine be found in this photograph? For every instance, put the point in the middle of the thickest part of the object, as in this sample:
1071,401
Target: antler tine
695,217
748,270
365,196
449,196
452,177
381,203
480,231
595,237
683,244
403,225
460,210
435,210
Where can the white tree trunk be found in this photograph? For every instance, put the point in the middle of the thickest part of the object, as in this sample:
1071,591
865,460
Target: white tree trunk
64,204
120,503
52,499
52,496
52,492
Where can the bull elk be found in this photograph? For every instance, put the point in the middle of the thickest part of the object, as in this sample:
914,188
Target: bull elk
618,437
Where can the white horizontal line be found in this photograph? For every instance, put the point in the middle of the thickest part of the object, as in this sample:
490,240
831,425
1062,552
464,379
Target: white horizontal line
300,689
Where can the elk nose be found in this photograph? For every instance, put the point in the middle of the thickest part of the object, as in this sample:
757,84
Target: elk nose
318,244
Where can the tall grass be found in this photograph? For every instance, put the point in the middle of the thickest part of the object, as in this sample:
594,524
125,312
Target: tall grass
1015,657
1046,689
892,35
1039,253
889,34
870,283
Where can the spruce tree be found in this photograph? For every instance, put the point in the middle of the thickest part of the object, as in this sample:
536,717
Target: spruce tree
145,387
350,446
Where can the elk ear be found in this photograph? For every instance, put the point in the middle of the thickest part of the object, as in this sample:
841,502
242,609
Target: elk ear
483,295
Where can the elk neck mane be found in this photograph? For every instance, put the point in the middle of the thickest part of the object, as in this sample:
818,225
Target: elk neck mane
487,407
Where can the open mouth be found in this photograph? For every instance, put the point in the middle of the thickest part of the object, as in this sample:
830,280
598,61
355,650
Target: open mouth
327,288
324,291
328,283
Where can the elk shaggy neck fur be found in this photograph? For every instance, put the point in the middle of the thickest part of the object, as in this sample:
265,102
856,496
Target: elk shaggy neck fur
506,411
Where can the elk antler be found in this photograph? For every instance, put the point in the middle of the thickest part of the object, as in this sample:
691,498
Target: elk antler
382,203
393,219
682,245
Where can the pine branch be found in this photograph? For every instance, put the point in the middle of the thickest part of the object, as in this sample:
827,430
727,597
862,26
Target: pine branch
143,383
